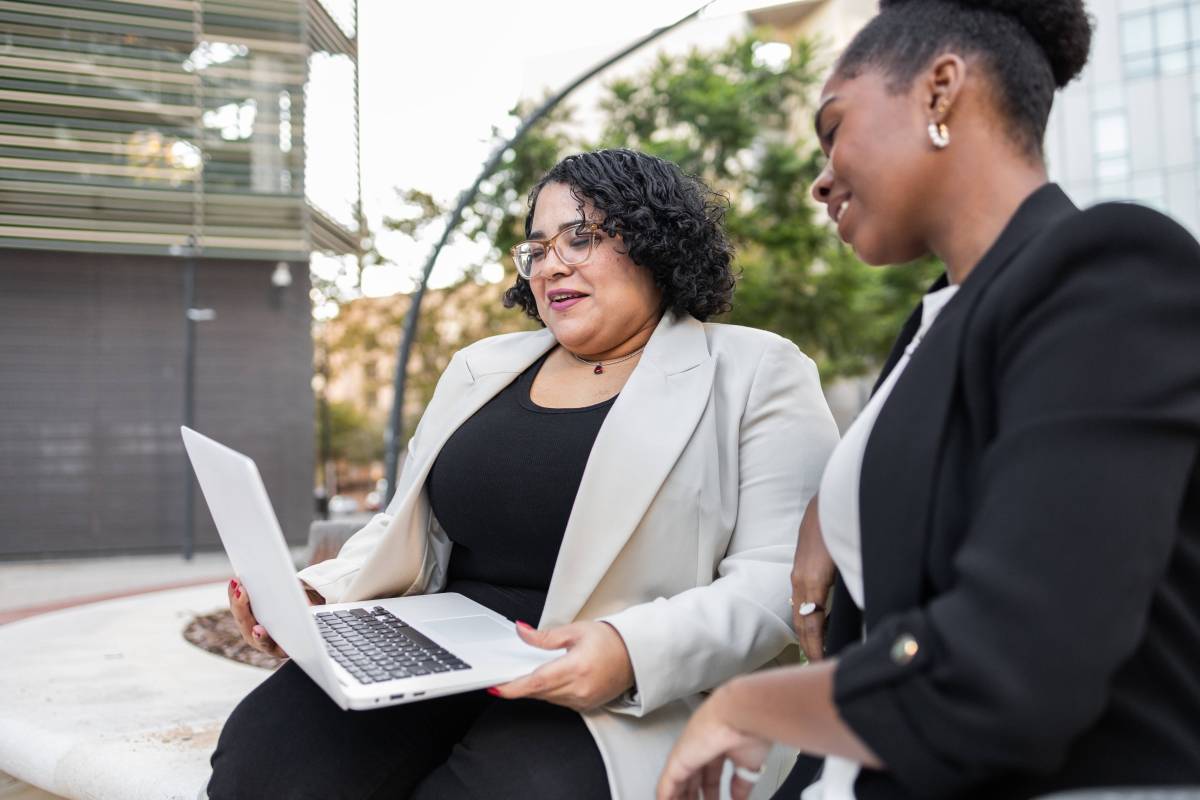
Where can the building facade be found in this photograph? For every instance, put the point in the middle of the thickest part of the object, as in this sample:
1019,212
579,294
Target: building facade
1129,127
152,154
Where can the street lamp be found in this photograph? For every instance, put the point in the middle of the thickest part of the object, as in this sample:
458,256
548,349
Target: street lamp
281,279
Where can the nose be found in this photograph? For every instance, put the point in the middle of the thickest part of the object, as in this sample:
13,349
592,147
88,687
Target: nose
822,187
553,266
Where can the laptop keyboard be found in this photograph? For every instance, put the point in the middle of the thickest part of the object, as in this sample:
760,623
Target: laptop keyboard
374,645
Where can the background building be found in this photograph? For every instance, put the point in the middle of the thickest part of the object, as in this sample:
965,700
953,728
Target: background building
141,142
1129,128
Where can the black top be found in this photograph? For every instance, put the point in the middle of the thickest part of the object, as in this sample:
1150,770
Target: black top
502,488
1030,501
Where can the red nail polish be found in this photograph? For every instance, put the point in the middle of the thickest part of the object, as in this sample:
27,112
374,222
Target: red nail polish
493,691
238,593
232,585
525,625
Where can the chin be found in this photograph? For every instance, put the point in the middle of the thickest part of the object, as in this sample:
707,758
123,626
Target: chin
876,253
568,335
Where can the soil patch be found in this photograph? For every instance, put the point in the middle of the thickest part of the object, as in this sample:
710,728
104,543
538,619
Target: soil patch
217,633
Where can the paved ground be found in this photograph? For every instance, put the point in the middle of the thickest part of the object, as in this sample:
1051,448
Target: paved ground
35,587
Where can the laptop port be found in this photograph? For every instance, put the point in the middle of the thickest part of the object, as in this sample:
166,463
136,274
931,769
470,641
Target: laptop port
396,697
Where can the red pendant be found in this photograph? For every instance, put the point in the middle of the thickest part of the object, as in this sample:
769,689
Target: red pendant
599,370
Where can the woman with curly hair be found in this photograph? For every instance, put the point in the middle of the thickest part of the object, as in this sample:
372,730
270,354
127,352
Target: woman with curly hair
630,480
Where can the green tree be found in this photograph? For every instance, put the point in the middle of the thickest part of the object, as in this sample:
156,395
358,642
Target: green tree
353,437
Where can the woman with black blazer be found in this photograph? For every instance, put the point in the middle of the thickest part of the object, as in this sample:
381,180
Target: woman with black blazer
1015,516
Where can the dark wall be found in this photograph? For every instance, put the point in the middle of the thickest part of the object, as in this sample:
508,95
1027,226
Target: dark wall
91,397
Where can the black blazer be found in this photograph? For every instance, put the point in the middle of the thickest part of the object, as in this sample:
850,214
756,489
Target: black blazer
1030,509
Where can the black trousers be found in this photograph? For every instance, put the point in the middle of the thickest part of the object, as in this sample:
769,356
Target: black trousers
287,739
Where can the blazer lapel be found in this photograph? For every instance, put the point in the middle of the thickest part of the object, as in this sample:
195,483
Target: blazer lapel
638,444
902,454
484,372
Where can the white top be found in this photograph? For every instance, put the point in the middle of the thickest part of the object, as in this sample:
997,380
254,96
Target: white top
840,525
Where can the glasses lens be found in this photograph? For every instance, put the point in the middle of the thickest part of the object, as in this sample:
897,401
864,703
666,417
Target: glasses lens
574,245
526,255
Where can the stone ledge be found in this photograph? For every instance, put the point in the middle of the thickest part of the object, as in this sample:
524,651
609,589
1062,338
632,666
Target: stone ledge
108,701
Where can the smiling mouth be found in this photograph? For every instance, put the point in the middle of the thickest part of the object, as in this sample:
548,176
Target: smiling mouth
836,213
558,297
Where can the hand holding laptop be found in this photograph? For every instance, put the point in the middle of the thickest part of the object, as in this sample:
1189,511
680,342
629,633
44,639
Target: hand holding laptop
252,632
595,670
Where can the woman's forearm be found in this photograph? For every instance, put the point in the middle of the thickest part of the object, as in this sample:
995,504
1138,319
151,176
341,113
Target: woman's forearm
794,706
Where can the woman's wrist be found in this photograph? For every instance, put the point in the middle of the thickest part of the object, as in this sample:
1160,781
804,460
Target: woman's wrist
629,679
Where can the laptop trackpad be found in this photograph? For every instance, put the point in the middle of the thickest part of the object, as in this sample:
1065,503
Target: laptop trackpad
468,629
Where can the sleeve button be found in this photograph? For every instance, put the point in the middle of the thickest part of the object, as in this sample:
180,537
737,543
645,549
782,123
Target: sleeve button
904,649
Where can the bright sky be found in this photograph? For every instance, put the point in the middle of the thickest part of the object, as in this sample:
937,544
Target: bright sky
435,77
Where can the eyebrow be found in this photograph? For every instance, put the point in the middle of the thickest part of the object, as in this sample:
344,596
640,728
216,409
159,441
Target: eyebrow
563,227
820,109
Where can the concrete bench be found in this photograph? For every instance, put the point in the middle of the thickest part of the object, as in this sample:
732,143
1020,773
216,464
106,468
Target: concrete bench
108,701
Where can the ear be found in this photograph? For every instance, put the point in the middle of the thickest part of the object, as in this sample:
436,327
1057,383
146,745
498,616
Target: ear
941,84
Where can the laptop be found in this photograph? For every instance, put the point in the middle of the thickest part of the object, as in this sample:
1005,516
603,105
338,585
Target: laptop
366,654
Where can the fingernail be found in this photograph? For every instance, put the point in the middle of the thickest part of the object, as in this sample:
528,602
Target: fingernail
525,625
238,593
233,584
258,632
493,691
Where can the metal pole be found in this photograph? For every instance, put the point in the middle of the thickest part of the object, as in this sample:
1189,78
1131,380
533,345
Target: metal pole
189,289
189,392
395,431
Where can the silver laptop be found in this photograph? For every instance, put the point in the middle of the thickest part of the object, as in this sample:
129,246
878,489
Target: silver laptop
367,654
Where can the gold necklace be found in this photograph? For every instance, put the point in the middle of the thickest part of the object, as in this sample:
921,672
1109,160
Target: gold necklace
598,366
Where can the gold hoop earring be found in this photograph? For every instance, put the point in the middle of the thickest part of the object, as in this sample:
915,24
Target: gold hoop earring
939,134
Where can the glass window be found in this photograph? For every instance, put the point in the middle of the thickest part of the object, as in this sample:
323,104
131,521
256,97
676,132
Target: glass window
1110,168
1173,63
1110,134
1109,97
1155,39
342,12
1137,34
1112,190
1170,27
1149,189
1140,67
331,124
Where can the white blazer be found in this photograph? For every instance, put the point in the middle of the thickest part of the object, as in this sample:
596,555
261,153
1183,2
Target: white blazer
683,529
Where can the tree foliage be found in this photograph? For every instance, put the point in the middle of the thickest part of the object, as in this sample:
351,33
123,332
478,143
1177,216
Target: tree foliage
352,436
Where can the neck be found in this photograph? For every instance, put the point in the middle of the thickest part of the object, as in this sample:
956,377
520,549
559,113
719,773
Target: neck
978,211
629,345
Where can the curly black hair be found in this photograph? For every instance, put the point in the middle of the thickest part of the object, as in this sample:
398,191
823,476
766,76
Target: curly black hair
670,223
1029,49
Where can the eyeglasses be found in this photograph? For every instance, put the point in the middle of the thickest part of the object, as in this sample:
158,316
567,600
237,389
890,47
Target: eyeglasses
530,255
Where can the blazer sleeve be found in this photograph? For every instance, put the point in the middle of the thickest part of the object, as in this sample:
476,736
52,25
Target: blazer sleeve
1074,516
331,578
699,638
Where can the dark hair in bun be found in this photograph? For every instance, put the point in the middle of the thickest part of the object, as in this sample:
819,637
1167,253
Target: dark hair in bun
1031,48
